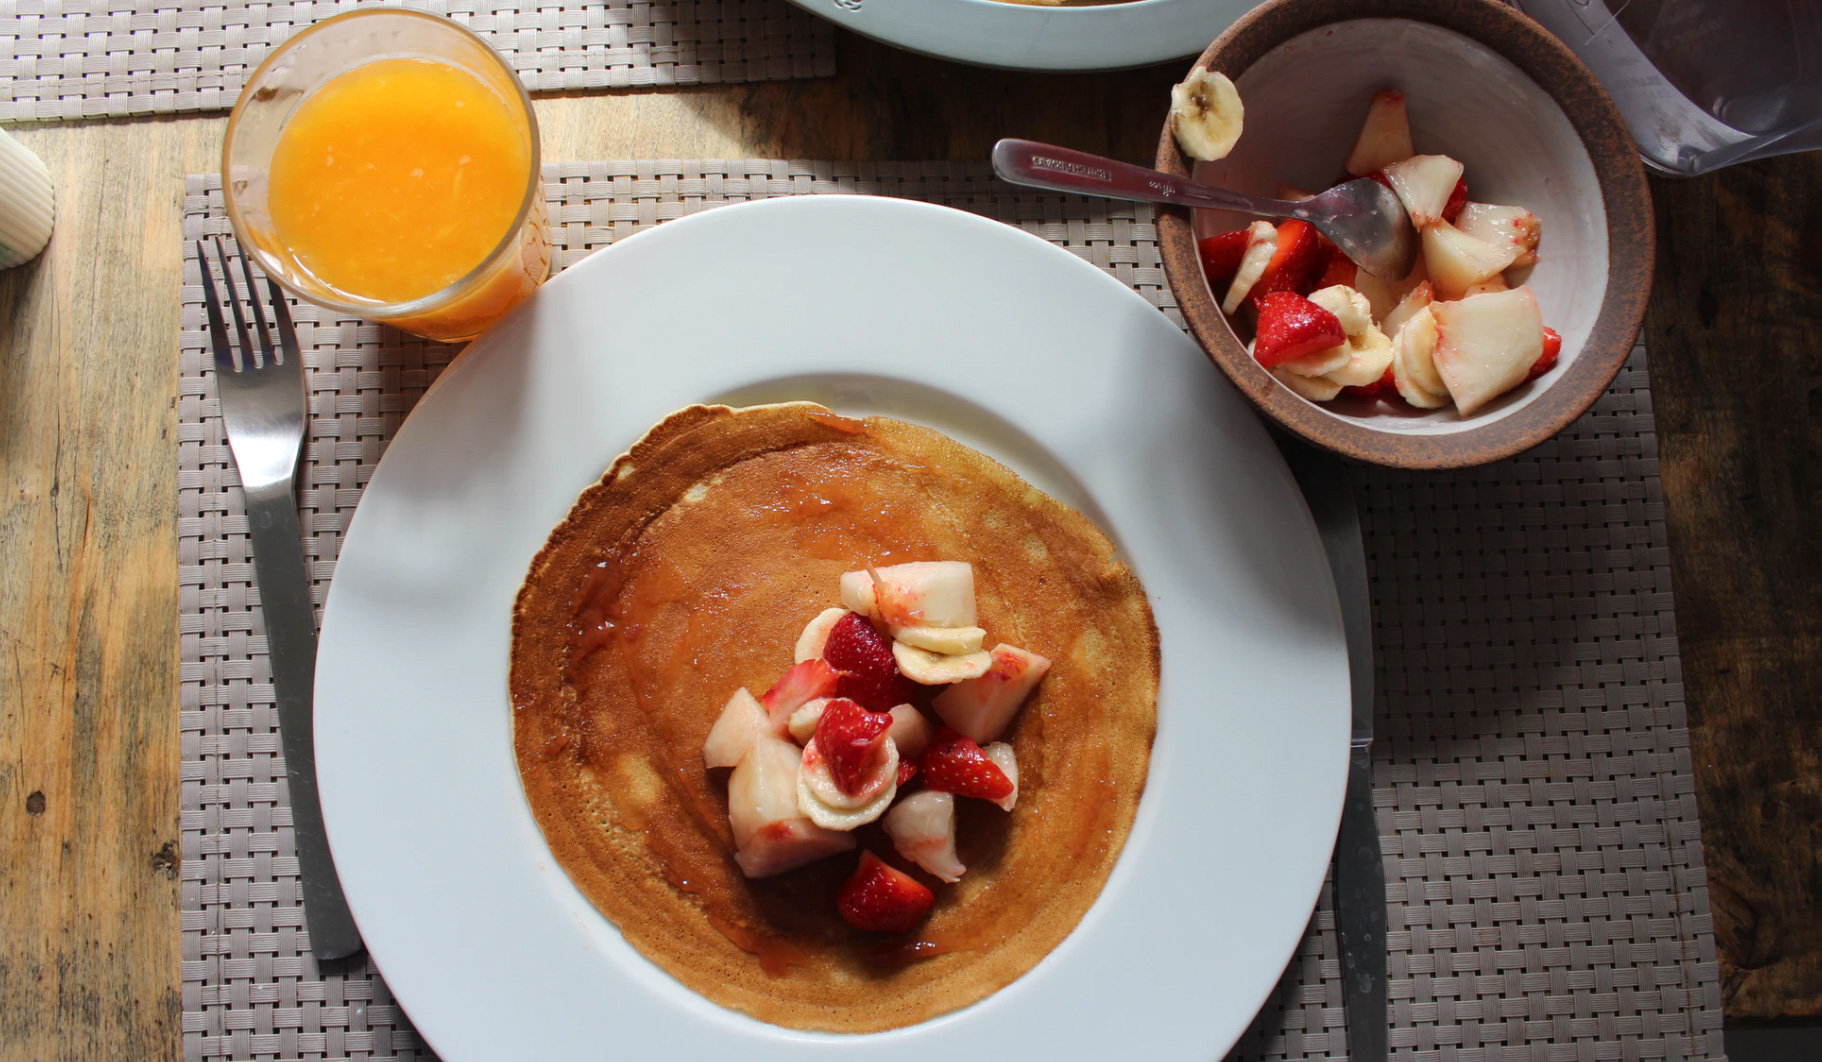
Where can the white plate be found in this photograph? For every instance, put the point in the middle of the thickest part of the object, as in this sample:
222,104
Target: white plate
870,305
1027,37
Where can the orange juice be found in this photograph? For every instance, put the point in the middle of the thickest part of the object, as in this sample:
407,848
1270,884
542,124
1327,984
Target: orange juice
397,178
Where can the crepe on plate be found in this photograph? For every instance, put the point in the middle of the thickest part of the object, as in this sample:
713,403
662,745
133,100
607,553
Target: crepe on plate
702,553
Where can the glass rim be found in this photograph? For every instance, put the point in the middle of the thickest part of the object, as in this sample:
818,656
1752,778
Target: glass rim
423,304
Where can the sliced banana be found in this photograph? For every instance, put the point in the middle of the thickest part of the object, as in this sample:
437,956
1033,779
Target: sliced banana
937,669
1314,388
1206,114
823,802
1410,347
950,641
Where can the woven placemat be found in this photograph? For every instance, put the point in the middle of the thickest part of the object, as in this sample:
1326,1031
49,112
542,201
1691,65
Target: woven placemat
1545,883
63,59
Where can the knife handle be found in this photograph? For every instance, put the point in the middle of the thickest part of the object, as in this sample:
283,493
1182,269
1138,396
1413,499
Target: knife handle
1360,913
284,600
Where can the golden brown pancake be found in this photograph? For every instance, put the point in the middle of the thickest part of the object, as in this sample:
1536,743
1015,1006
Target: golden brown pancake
688,572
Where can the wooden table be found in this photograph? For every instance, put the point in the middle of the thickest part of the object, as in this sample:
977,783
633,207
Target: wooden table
89,935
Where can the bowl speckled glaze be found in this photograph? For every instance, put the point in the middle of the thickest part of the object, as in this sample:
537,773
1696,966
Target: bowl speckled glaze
1486,85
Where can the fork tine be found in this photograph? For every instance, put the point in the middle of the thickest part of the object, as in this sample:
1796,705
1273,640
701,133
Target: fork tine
218,330
240,321
281,314
259,317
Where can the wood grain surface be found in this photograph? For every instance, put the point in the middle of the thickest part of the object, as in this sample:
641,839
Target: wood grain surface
89,936
1736,378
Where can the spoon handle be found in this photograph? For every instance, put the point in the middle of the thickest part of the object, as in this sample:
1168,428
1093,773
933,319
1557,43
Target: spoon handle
1061,169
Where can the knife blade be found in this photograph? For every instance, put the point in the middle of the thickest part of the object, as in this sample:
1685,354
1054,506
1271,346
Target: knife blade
1359,865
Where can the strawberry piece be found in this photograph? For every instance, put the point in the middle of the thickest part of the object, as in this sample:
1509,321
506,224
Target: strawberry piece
1299,257
907,770
1458,199
852,739
881,898
1379,175
1339,270
798,686
871,678
1291,326
955,764
1221,257
1553,345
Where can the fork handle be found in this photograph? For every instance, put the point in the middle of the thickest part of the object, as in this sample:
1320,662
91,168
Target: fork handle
284,596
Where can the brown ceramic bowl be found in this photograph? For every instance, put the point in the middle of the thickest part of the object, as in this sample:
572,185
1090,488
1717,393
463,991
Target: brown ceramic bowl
1483,84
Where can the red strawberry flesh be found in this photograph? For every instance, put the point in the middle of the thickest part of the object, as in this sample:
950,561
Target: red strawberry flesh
1553,346
1221,256
882,899
851,739
1340,270
871,678
1458,200
955,764
1291,326
799,685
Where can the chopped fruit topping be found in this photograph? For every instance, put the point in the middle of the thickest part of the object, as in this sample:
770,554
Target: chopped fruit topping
804,720
1458,199
922,828
1415,299
1500,225
1485,345
740,724
1206,115
982,708
1456,261
1492,283
1413,349
880,898
951,641
910,731
800,684
1003,757
1314,388
1384,296
938,669
1261,245
919,594
829,806
1553,346
1385,136
1291,326
1368,353
869,673
769,830
907,770
1371,390
955,764
1300,255
1339,270
816,634
853,740
1424,184
1221,256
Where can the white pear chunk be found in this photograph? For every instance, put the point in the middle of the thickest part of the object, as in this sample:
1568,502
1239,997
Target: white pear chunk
1411,364
1314,388
1385,136
1499,225
950,641
1003,757
981,709
803,721
1384,296
1206,115
1487,344
770,833
910,731
938,669
740,724
1456,261
1496,282
1261,244
816,634
922,828
919,594
1416,299
1424,184
824,803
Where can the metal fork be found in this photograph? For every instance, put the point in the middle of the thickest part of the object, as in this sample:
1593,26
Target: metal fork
262,407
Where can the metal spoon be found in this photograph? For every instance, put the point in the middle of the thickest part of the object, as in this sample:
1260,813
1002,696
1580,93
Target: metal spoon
1363,217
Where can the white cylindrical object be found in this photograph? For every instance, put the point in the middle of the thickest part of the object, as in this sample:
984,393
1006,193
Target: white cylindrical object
28,203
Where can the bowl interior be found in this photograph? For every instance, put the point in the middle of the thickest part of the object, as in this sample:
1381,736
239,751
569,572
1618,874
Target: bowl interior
1305,101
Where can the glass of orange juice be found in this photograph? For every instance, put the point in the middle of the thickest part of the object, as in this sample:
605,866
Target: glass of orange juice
384,163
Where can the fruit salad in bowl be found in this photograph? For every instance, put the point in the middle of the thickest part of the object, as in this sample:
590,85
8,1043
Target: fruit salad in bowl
1534,223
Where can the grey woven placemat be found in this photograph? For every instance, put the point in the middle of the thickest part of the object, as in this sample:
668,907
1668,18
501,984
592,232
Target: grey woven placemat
112,58
1546,892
